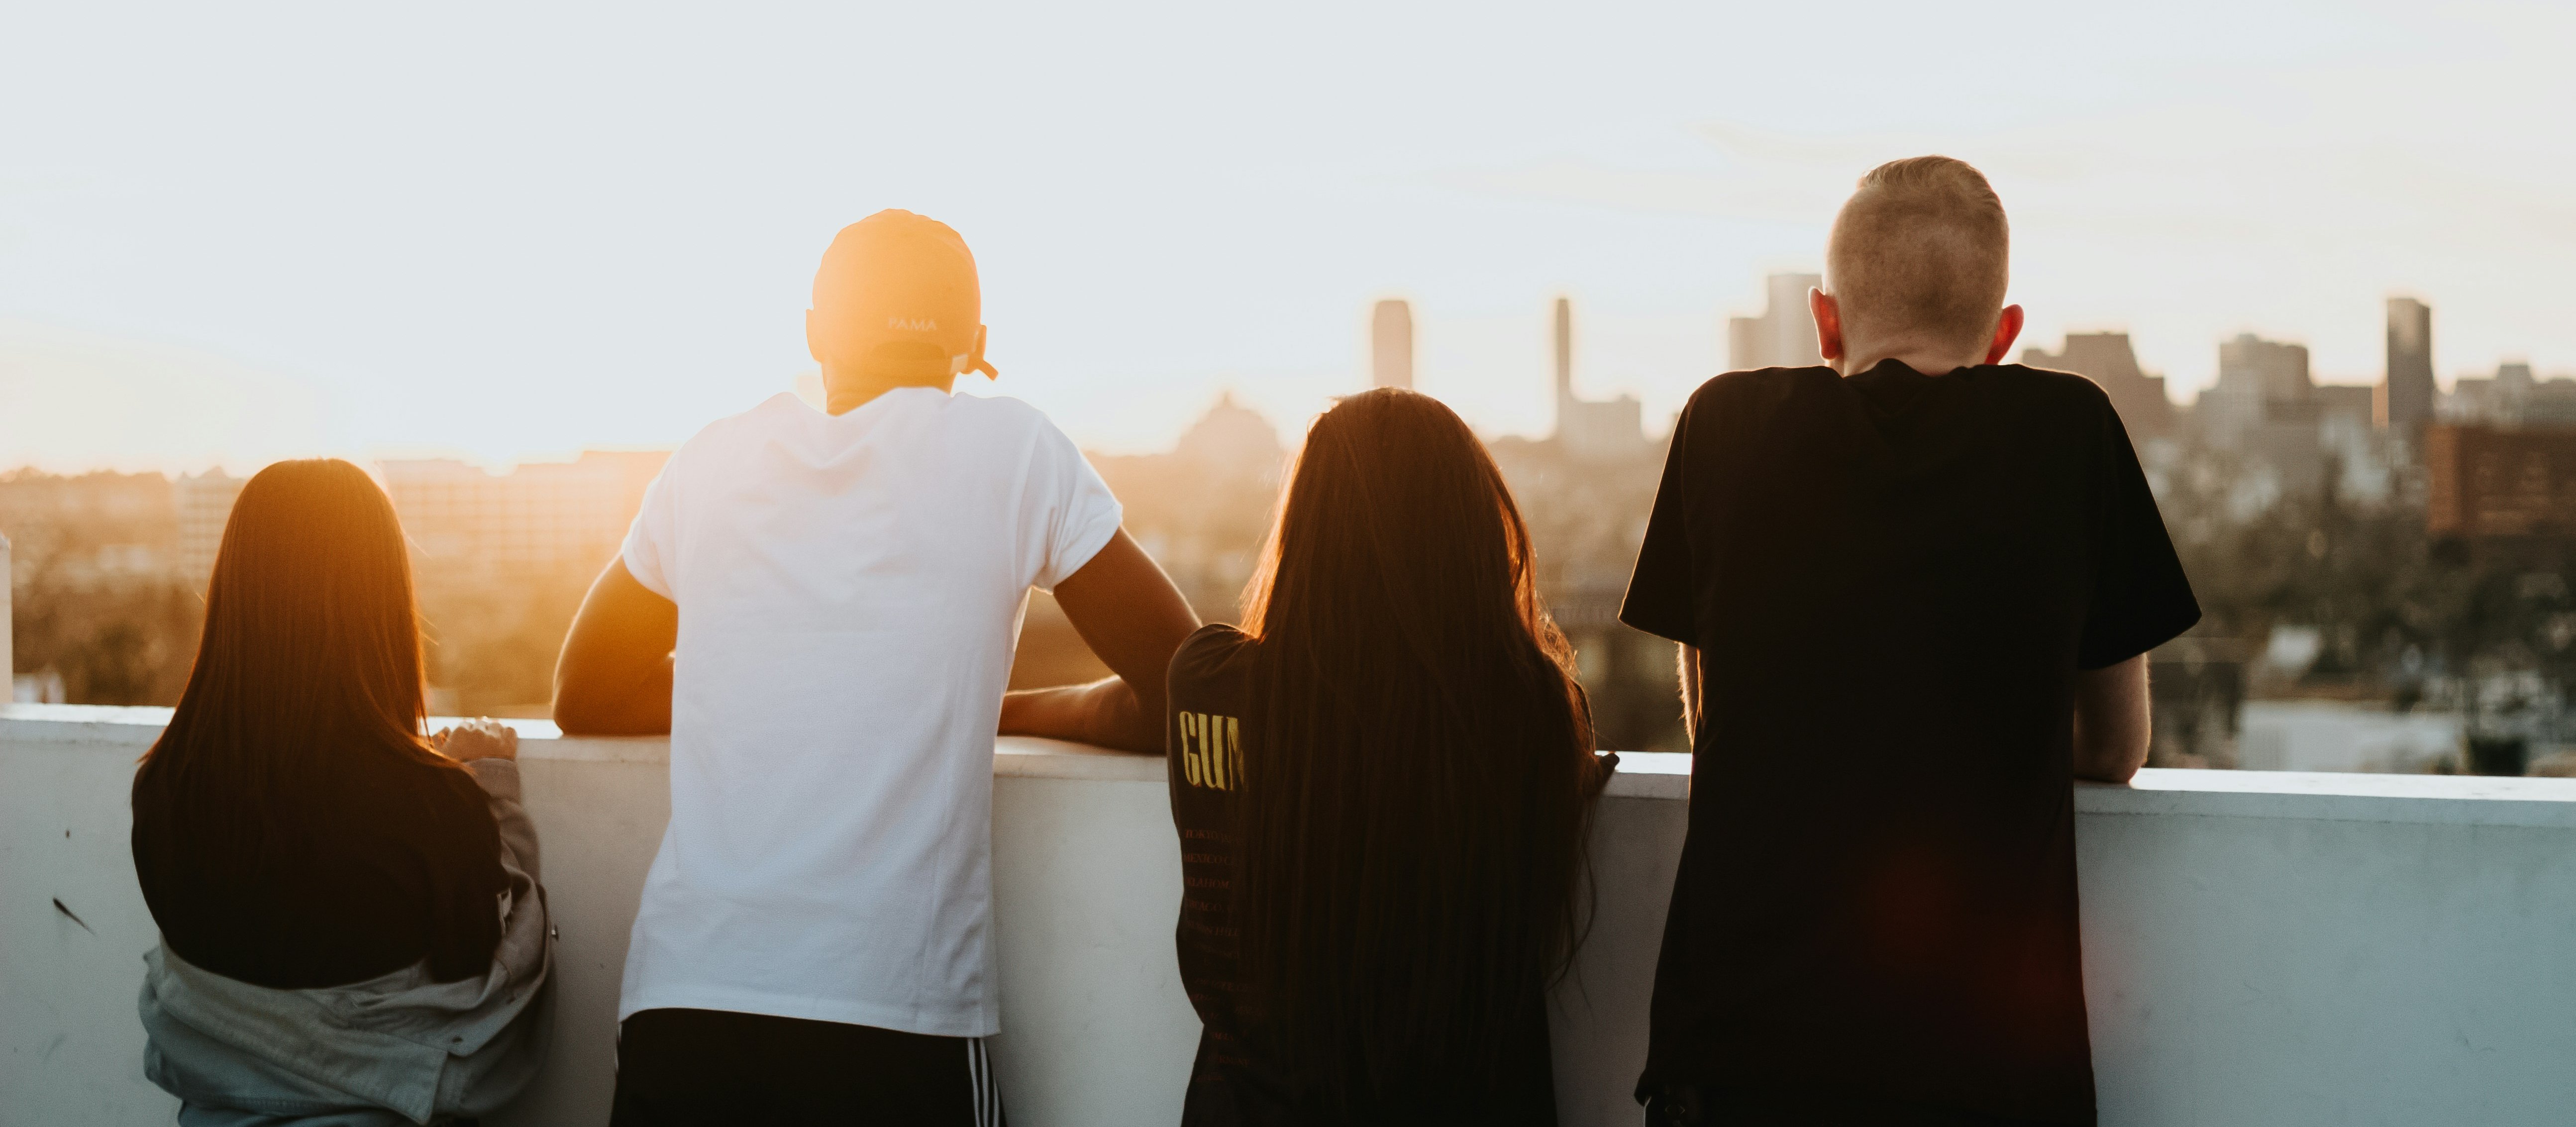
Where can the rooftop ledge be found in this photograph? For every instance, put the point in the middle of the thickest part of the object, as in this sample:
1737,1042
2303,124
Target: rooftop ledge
2449,799
2260,947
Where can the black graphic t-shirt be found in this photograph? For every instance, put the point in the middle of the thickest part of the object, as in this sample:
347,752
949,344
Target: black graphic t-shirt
1234,1082
1892,580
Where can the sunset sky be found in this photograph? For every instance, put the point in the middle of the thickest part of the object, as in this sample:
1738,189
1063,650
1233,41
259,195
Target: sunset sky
229,234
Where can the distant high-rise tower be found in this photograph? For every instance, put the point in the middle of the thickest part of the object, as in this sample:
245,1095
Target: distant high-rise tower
1784,336
2405,401
1588,430
205,505
2107,359
1564,358
2259,382
1391,345
2270,372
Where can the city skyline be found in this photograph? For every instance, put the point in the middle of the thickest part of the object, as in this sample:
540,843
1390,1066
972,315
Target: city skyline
1389,341
577,249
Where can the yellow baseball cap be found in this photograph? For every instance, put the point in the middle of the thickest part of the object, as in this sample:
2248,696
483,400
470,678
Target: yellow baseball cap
900,278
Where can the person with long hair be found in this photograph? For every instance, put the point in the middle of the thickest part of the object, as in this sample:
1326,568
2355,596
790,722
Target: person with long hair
351,928
1382,788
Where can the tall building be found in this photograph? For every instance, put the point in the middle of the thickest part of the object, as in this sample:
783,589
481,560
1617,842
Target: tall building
2406,394
540,515
1233,440
2108,360
2356,447
2272,371
2512,397
1784,336
2352,402
1202,510
2260,382
1587,429
1391,345
2266,408
95,528
2489,483
205,505
1563,336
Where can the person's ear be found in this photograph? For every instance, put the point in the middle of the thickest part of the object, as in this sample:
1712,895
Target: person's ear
813,339
1829,323
2007,330
976,362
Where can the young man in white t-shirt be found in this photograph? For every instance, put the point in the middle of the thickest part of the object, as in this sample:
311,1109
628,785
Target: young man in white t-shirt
821,609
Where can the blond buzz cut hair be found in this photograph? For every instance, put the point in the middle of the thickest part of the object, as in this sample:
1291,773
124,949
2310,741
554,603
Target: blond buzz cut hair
1921,250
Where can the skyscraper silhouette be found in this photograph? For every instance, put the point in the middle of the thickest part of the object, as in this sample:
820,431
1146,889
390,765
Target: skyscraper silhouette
1586,429
1564,360
2263,386
2108,360
1391,345
2273,373
1784,336
2406,395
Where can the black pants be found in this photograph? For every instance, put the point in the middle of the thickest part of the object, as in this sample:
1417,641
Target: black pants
694,1067
1688,1105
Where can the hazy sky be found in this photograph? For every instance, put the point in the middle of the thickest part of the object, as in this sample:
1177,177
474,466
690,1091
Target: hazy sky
233,232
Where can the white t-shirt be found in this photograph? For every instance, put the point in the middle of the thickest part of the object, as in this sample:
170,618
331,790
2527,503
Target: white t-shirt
850,590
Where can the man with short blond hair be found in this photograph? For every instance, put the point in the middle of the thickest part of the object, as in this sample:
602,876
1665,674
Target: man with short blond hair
1920,253
1914,589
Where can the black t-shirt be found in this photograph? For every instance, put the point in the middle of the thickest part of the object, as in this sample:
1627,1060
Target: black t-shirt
1208,734
1892,580
388,862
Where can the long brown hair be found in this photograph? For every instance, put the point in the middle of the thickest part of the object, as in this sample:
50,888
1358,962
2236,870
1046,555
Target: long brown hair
1414,813
311,653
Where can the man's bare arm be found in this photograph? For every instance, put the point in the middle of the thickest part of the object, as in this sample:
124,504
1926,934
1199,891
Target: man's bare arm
1132,617
614,676
2113,721
1688,663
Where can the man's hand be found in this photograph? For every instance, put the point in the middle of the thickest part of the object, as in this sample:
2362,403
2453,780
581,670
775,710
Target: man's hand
1132,617
614,676
2114,721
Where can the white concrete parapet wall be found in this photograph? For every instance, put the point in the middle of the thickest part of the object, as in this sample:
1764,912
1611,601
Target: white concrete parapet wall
8,630
2261,948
